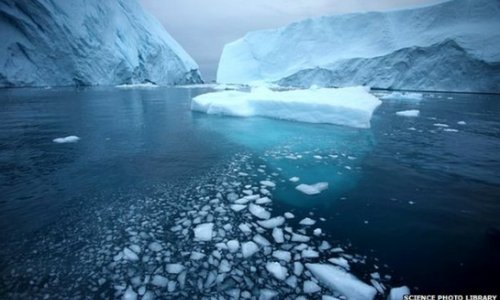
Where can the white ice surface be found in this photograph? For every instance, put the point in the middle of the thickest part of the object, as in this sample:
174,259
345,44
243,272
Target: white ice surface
352,106
339,280
203,232
278,271
272,223
68,139
312,189
412,113
398,293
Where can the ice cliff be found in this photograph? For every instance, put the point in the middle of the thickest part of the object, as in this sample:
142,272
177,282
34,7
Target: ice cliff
450,46
91,42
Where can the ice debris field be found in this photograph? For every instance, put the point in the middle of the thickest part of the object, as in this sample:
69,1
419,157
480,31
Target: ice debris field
352,106
220,239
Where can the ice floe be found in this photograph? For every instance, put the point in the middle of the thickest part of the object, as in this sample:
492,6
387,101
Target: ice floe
68,139
312,189
411,113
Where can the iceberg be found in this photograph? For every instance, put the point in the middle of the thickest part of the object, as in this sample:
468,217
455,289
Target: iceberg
352,106
78,43
449,46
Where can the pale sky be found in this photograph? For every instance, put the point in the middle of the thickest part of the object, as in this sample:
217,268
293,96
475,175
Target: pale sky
203,27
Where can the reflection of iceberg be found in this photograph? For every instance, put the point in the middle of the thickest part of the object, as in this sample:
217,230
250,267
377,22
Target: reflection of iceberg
313,152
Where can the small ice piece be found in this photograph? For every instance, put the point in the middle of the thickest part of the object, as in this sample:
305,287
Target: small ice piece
224,266
403,96
155,247
68,139
272,223
411,113
289,215
238,207
311,287
233,245
339,280
129,294
294,179
159,281
282,255
245,228
291,281
259,211
263,200
324,246
196,255
450,130
461,123
300,238
278,235
340,262
317,231
232,197
307,222
259,239
309,253
174,268
278,271
441,125
267,183
312,189
203,232
398,293
249,248
298,268
130,255
267,294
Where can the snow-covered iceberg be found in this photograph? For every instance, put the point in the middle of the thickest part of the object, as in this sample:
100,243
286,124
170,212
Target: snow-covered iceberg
352,106
61,43
450,46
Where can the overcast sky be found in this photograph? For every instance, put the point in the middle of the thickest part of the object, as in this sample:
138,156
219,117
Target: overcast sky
203,27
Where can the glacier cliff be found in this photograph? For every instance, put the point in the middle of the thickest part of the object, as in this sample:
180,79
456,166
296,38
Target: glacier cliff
450,46
91,42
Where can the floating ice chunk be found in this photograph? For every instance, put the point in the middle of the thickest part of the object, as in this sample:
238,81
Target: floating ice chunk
203,232
300,238
282,255
259,211
298,268
318,157
340,262
174,268
307,222
197,255
309,253
339,280
238,207
232,197
311,287
326,297
259,239
148,296
450,130
245,228
234,293
412,113
317,231
351,106
68,139
289,215
130,255
267,294
233,245
249,248
278,235
155,247
135,248
146,85
267,183
129,294
398,293
441,125
278,271
294,179
291,281
461,123
159,281
324,246
272,223
312,189
224,266
263,200
403,96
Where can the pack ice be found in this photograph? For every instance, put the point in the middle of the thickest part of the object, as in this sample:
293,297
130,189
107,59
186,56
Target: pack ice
352,106
454,43
64,43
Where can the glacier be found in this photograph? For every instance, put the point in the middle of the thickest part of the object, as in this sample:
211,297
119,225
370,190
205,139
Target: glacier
449,46
78,43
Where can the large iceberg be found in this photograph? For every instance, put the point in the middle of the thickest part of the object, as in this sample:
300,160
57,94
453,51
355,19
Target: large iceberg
450,46
352,106
61,43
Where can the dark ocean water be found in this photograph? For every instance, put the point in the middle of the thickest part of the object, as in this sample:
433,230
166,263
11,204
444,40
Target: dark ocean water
420,202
